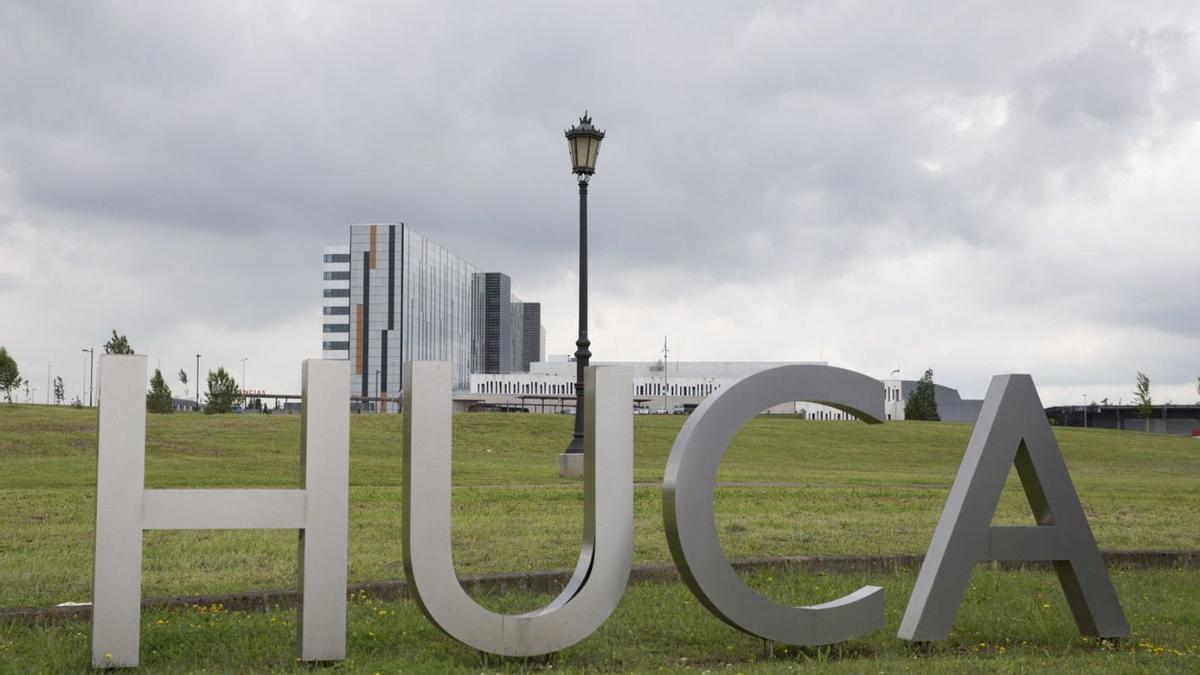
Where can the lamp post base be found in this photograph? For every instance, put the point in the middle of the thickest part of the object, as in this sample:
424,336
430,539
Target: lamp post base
570,465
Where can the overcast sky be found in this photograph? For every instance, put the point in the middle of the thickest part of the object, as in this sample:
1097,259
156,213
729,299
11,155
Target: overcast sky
978,188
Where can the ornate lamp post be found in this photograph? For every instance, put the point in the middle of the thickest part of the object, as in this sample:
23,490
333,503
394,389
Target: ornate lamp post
197,381
91,351
584,142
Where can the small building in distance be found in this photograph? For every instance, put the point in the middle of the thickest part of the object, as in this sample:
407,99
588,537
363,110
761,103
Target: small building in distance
1178,420
951,406
549,386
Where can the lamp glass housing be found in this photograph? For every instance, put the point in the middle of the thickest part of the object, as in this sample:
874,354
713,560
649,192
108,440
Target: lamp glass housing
583,140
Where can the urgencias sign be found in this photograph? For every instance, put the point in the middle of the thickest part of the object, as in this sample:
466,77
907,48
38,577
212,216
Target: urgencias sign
1011,429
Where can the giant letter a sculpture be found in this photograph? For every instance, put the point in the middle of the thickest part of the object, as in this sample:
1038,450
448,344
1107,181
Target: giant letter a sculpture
1012,427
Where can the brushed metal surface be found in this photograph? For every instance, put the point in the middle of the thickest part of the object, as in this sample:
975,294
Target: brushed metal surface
222,509
124,508
602,570
688,490
120,477
1012,429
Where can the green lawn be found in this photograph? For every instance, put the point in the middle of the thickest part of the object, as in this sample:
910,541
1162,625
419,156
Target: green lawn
868,489
848,488
1015,622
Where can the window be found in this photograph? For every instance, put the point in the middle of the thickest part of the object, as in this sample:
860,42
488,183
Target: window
342,309
337,276
337,328
337,257
336,346
337,292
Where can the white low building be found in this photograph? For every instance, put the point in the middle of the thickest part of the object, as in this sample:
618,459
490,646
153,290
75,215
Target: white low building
549,386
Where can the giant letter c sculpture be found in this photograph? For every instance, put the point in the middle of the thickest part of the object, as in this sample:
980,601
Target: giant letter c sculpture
604,562
691,479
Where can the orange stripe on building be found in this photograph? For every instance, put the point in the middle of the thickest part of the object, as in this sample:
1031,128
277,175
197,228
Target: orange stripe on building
373,247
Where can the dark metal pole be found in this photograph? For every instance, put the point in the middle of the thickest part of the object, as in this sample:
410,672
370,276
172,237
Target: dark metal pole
197,381
582,355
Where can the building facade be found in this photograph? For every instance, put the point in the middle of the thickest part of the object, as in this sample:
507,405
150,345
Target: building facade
951,406
498,339
660,387
1175,419
657,386
335,303
394,295
529,338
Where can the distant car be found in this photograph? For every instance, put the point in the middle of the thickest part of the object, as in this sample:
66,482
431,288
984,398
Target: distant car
660,411
678,410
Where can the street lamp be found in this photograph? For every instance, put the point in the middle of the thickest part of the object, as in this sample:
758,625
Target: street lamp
243,375
197,381
91,372
584,142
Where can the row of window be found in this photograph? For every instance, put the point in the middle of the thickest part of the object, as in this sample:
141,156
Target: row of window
337,276
506,387
335,310
657,389
335,346
337,257
337,292
831,415
648,389
336,328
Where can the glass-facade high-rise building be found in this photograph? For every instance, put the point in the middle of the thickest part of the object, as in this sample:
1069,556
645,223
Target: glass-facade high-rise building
406,298
497,323
529,336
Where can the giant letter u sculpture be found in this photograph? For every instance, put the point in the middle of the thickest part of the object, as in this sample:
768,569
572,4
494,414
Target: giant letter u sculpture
600,575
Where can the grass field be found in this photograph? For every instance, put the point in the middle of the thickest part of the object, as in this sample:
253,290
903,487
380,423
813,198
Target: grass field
1010,622
835,488
868,489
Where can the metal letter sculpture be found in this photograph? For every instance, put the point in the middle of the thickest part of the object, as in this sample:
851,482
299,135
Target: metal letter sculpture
688,488
602,571
124,508
1012,427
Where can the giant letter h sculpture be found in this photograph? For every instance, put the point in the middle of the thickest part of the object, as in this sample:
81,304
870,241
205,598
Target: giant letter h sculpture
124,508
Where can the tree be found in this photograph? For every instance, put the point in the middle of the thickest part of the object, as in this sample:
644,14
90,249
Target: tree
10,375
223,393
1141,398
60,392
117,344
184,381
921,404
158,399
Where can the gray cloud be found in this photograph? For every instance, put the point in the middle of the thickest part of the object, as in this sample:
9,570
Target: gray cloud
1022,161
